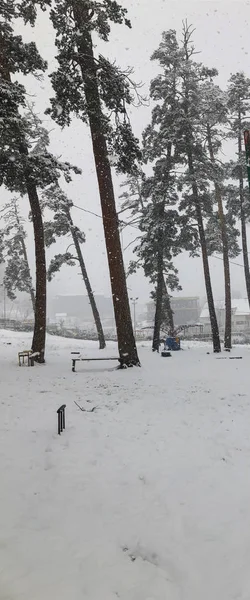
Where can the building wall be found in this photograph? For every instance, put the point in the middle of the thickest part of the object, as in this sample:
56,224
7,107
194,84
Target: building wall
240,323
186,310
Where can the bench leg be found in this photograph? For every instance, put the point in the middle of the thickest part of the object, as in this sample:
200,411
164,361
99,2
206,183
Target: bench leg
73,365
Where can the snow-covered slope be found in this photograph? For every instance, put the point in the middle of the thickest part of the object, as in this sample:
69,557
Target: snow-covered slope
146,498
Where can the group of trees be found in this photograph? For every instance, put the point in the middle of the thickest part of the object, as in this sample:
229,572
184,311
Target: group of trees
98,93
192,200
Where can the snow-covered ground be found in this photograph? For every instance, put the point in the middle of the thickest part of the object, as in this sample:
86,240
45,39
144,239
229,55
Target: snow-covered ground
146,498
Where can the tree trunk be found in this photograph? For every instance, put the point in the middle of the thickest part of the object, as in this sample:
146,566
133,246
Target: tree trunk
98,324
226,266
245,253
31,290
209,291
160,286
158,302
210,299
125,334
243,218
170,312
39,334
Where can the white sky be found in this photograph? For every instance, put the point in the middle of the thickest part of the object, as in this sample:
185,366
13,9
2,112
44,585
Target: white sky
222,37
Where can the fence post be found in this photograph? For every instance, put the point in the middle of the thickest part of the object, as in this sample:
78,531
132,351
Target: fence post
61,418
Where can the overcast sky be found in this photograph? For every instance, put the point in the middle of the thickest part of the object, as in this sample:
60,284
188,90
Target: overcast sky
222,37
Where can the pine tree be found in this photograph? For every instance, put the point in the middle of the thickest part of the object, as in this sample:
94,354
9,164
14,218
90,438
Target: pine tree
170,282
153,205
17,272
25,164
18,170
166,233
238,198
95,90
177,119
62,224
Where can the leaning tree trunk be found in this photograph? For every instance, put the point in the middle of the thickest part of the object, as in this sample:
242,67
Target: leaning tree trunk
98,324
125,335
39,334
208,285
31,290
243,216
225,252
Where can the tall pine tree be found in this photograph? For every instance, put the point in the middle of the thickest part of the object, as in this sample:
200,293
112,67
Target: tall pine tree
177,119
153,204
18,170
92,88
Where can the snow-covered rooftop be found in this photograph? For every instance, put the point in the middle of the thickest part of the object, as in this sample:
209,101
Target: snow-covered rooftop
239,307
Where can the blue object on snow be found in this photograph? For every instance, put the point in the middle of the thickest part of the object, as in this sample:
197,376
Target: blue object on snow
172,343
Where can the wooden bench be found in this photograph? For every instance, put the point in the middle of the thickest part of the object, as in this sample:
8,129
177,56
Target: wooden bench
30,357
78,358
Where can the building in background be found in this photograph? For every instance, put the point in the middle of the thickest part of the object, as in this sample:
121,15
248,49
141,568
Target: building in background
76,310
186,310
240,316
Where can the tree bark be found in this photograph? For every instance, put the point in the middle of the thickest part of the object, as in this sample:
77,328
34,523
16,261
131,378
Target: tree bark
96,315
159,294
39,334
160,286
125,335
245,252
243,217
170,312
225,252
209,291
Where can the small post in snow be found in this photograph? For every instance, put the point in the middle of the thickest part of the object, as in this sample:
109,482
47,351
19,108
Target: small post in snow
61,418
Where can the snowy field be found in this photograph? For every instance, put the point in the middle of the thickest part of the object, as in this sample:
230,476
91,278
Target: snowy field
146,498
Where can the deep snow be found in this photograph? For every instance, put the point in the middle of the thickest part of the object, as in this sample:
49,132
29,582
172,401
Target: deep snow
146,498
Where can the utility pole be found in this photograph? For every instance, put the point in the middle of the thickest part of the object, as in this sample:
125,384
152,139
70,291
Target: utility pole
134,302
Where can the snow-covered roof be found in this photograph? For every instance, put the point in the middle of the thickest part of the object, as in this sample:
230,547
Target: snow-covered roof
239,307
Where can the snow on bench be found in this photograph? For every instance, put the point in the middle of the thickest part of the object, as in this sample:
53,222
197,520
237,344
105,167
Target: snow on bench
87,359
